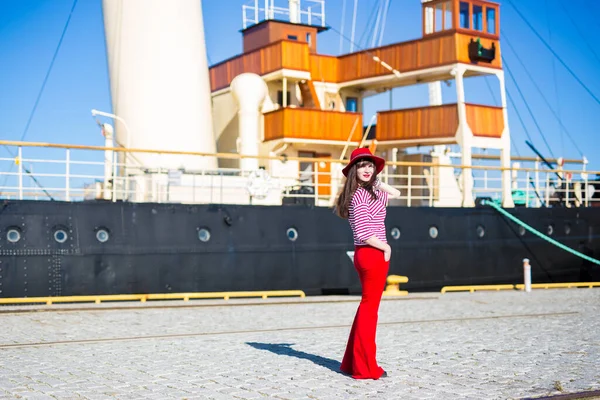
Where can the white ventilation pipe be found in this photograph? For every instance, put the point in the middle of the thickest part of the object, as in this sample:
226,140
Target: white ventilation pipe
249,91
435,93
159,79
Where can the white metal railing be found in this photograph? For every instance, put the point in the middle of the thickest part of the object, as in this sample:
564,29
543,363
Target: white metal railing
256,11
76,173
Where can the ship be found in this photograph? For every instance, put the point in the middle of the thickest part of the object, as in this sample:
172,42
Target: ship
224,177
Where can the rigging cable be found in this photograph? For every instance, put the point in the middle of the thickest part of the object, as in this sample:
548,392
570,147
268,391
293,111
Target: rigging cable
518,115
353,26
579,32
527,106
368,26
385,12
485,78
37,101
541,94
554,53
343,21
562,140
377,21
495,101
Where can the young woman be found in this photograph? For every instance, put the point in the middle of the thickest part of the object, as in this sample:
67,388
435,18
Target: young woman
362,201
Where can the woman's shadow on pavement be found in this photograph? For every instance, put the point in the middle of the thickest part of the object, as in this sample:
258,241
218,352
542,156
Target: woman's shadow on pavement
285,349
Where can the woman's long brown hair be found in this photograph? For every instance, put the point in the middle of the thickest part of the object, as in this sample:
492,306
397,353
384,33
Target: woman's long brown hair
352,183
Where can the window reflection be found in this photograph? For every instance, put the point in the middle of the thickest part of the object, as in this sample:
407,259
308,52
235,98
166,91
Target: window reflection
439,15
491,20
448,15
464,15
477,18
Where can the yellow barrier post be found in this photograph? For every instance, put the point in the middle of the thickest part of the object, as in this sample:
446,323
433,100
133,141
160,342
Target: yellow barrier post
393,286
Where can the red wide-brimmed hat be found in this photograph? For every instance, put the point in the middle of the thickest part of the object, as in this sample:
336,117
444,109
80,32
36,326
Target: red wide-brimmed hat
361,154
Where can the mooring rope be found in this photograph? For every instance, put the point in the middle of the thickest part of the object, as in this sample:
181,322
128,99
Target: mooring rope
538,233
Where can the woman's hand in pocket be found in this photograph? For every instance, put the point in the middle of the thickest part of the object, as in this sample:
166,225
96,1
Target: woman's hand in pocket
387,253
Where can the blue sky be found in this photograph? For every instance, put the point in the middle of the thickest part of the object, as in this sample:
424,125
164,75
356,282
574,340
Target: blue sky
30,30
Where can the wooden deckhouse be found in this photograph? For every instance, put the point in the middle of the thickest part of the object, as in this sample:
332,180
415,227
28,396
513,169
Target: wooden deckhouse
314,103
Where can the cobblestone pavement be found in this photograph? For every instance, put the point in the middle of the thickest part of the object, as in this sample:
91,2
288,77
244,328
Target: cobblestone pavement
493,345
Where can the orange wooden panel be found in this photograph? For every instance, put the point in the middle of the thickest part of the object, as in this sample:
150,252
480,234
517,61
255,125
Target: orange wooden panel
276,56
485,121
442,49
418,123
462,48
295,56
306,123
324,68
323,176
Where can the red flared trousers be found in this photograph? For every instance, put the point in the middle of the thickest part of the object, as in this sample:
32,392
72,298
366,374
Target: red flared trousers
359,359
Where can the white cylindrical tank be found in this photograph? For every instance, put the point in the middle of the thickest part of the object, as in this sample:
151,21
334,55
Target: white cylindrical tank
159,79
249,91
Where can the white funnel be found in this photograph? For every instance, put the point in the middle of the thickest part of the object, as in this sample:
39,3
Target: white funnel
159,79
249,91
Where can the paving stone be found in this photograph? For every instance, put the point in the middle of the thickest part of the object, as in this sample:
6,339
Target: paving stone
465,346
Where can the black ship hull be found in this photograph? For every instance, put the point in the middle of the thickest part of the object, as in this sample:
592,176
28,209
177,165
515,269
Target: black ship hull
155,248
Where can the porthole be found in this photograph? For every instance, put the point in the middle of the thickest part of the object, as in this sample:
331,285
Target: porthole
395,232
480,231
102,235
550,230
433,232
522,231
567,229
203,235
60,235
13,235
292,234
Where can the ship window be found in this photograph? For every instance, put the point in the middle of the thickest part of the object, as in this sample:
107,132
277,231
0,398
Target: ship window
13,235
351,104
292,37
567,229
522,231
308,39
464,15
203,235
395,233
60,235
292,234
102,235
439,17
428,20
433,232
448,15
550,230
477,18
480,231
490,16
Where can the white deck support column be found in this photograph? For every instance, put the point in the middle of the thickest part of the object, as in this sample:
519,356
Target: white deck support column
507,200
284,96
464,139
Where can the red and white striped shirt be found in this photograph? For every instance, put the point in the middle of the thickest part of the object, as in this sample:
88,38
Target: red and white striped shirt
367,216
